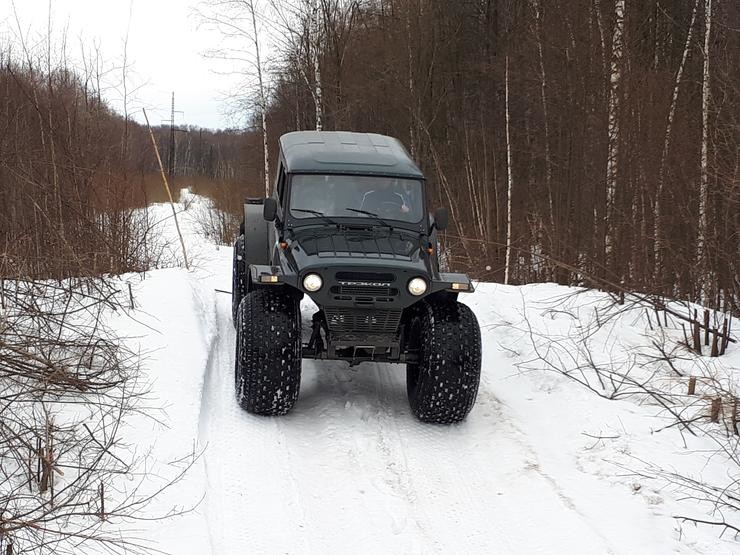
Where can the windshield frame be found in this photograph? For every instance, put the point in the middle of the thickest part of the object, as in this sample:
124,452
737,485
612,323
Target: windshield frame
359,220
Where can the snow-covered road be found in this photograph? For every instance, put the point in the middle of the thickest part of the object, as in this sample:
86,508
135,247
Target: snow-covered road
351,470
541,465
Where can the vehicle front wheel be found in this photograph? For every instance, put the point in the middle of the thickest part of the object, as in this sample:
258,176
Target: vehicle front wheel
443,385
268,352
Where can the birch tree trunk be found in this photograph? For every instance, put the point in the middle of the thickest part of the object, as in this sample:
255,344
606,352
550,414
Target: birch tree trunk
262,96
612,166
411,85
657,230
507,271
315,42
701,240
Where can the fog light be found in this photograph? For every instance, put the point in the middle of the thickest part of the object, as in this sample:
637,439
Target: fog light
268,278
312,282
417,286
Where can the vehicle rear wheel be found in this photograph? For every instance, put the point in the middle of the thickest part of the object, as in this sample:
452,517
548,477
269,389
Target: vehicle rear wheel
443,385
239,277
268,351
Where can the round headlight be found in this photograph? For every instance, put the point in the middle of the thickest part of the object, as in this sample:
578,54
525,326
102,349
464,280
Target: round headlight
417,286
312,282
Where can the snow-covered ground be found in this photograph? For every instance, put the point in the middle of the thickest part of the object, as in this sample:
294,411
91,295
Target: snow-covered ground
542,464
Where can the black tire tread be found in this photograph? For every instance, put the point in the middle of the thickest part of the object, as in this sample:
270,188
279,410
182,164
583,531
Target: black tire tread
268,352
443,386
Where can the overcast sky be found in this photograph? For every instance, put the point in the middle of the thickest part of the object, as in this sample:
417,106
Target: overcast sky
165,52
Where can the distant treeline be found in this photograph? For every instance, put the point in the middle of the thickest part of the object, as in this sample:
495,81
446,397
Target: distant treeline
623,135
73,173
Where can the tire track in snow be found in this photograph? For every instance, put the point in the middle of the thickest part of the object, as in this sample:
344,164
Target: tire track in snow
518,436
390,442
251,498
210,375
424,451
351,470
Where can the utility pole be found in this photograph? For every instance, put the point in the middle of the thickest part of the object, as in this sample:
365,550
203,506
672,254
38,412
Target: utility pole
171,161
171,153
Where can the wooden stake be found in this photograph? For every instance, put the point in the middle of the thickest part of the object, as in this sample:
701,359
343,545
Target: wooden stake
45,470
692,385
715,345
697,338
685,336
167,188
706,326
734,416
725,334
716,405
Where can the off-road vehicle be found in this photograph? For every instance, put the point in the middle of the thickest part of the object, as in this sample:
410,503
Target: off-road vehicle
347,226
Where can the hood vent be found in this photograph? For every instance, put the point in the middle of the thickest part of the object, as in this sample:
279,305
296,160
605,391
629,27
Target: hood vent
359,246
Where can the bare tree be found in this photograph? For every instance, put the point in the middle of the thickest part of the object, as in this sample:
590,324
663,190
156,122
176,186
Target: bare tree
298,29
536,4
510,178
612,161
238,22
262,95
657,231
705,100
315,41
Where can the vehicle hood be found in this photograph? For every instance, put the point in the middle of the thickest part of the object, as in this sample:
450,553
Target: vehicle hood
349,247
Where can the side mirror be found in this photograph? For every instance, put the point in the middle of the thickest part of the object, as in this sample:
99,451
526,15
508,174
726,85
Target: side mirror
441,219
269,209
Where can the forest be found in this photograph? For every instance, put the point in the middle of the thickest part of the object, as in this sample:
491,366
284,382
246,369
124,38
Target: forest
584,142
579,141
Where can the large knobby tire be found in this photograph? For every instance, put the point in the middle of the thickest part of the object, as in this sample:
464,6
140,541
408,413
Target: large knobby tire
268,351
443,386
239,277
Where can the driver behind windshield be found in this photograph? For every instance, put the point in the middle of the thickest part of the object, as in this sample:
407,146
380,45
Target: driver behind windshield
337,195
386,199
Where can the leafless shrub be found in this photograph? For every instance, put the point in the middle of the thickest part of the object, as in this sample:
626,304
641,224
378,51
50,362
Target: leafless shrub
694,393
67,387
219,216
218,226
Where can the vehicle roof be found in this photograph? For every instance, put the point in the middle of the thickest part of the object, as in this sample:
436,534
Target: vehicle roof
346,152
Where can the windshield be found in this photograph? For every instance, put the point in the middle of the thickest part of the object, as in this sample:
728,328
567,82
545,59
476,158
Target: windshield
332,196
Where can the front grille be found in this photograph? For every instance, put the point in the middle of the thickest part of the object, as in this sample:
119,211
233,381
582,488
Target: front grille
372,277
345,320
359,290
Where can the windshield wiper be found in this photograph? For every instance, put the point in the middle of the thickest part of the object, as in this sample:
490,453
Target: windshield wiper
315,213
371,214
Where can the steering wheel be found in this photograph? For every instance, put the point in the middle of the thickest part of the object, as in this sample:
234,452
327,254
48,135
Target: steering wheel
389,208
